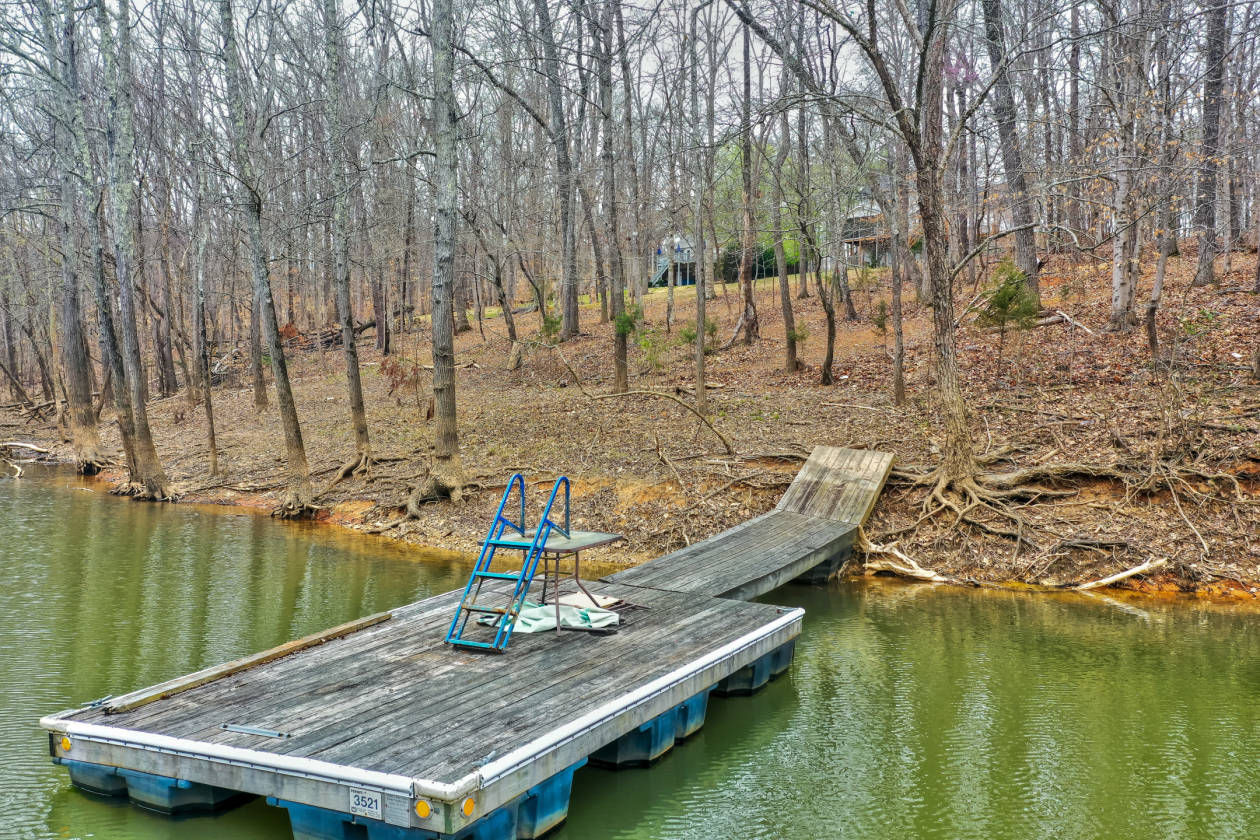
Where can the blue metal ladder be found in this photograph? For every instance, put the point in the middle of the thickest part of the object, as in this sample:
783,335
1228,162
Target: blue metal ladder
530,544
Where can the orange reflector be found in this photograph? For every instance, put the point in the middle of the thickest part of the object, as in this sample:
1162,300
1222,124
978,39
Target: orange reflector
422,809
469,805
65,743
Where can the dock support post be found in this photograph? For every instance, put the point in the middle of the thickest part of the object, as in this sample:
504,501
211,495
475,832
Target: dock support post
95,778
691,715
545,806
755,675
178,796
642,746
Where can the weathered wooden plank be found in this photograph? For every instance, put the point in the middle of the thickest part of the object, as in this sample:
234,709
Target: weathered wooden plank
169,688
746,559
341,655
558,664
840,484
510,716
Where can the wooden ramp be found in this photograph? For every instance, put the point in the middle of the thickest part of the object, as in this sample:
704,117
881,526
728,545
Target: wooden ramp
813,525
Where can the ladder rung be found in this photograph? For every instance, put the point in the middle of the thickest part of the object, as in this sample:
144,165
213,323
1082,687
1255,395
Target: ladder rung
480,609
499,575
511,542
471,643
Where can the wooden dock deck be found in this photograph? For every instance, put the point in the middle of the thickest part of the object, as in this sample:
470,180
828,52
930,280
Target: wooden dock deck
815,522
380,730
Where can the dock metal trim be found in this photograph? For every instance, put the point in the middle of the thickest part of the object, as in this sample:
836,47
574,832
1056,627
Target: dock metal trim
224,754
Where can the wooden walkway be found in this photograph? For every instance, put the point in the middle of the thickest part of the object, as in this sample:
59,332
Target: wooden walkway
437,739
816,521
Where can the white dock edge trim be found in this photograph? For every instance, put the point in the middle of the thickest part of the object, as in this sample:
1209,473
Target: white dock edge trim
223,754
493,770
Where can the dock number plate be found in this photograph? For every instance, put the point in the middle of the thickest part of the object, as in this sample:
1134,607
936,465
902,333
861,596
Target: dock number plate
365,803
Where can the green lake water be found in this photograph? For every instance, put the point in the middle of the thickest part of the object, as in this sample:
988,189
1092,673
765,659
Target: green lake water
909,712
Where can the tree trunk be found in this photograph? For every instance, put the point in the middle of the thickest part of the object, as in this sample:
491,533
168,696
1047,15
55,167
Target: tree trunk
790,363
297,500
597,255
335,137
900,253
1213,85
256,355
827,297
460,303
899,341
698,245
1012,158
622,323
164,347
748,240
10,352
201,346
447,469
1165,237
564,174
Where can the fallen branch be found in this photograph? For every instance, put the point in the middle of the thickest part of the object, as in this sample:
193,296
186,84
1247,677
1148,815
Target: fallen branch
1149,565
726,443
854,405
13,444
1068,318
664,459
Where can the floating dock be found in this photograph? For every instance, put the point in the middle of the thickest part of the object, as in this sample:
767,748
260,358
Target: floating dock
379,729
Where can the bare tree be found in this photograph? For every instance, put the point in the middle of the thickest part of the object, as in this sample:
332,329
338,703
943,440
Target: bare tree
122,212
335,136
1012,156
447,474
60,57
1213,86
297,499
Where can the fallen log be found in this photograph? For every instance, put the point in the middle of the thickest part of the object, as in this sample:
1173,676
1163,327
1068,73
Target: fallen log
1149,565
13,444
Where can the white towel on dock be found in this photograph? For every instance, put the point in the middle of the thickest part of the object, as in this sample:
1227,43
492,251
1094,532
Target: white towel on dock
535,618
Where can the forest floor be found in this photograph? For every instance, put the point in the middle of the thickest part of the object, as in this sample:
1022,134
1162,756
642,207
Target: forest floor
1188,443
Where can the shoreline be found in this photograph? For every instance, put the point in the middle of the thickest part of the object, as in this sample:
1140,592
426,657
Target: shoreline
1162,588
1122,466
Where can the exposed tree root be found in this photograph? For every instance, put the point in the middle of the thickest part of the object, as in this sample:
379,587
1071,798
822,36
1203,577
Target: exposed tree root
140,492
296,503
434,488
902,565
984,499
358,466
434,485
90,463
